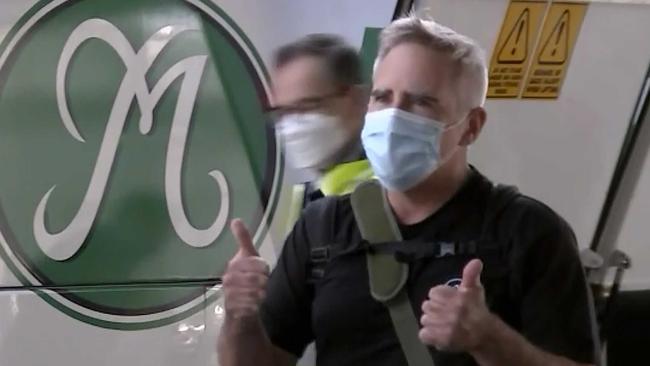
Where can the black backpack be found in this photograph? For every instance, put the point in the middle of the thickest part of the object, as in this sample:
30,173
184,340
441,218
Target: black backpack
501,196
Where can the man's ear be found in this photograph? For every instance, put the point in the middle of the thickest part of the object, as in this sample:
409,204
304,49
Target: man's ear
476,120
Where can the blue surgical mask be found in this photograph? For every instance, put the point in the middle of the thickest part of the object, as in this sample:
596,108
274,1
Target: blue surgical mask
403,148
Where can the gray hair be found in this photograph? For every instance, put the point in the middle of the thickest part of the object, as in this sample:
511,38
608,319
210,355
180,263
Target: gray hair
463,51
341,59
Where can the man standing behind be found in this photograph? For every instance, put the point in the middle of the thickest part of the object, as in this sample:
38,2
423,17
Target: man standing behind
318,109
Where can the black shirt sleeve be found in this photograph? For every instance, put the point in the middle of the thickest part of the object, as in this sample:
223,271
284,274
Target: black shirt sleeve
286,310
555,303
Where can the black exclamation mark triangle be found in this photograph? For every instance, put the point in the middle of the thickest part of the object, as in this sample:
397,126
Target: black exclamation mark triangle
556,46
515,49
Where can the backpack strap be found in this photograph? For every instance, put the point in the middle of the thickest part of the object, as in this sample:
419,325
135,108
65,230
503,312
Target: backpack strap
295,205
415,250
499,198
387,276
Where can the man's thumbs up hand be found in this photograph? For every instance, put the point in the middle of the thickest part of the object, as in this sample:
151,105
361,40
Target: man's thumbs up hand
457,319
243,237
246,276
472,275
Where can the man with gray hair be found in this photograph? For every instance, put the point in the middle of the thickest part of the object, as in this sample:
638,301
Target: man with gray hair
451,270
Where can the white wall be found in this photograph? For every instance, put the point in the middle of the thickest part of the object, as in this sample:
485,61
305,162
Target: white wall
563,151
627,229
634,237
271,23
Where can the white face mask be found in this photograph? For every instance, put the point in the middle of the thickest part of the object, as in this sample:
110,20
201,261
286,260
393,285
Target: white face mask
311,140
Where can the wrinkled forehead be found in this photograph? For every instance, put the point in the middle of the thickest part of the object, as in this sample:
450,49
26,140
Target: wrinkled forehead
415,68
302,77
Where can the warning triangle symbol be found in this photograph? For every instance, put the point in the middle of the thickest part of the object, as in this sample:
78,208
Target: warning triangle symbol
556,46
515,48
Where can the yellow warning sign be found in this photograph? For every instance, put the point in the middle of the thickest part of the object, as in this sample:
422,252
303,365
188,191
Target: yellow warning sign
515,44
551,59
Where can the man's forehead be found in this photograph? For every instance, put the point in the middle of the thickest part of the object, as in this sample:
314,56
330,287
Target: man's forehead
414,68
414,62
302,77
304,70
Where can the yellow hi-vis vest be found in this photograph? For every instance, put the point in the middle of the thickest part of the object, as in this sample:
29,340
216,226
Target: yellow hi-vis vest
340,180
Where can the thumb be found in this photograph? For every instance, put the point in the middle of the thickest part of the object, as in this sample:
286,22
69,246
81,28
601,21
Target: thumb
246,247
472,274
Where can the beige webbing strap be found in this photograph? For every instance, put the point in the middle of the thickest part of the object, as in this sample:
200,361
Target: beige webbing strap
296,204
387,276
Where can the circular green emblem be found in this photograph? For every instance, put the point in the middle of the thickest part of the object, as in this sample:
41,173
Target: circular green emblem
131,133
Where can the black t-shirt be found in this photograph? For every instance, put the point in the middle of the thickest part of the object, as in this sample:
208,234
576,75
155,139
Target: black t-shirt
536,285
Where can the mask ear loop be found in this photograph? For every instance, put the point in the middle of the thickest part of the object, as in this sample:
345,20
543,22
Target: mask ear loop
450,127
459,122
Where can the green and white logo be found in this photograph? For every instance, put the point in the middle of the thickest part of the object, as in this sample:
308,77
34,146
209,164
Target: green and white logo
130,133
